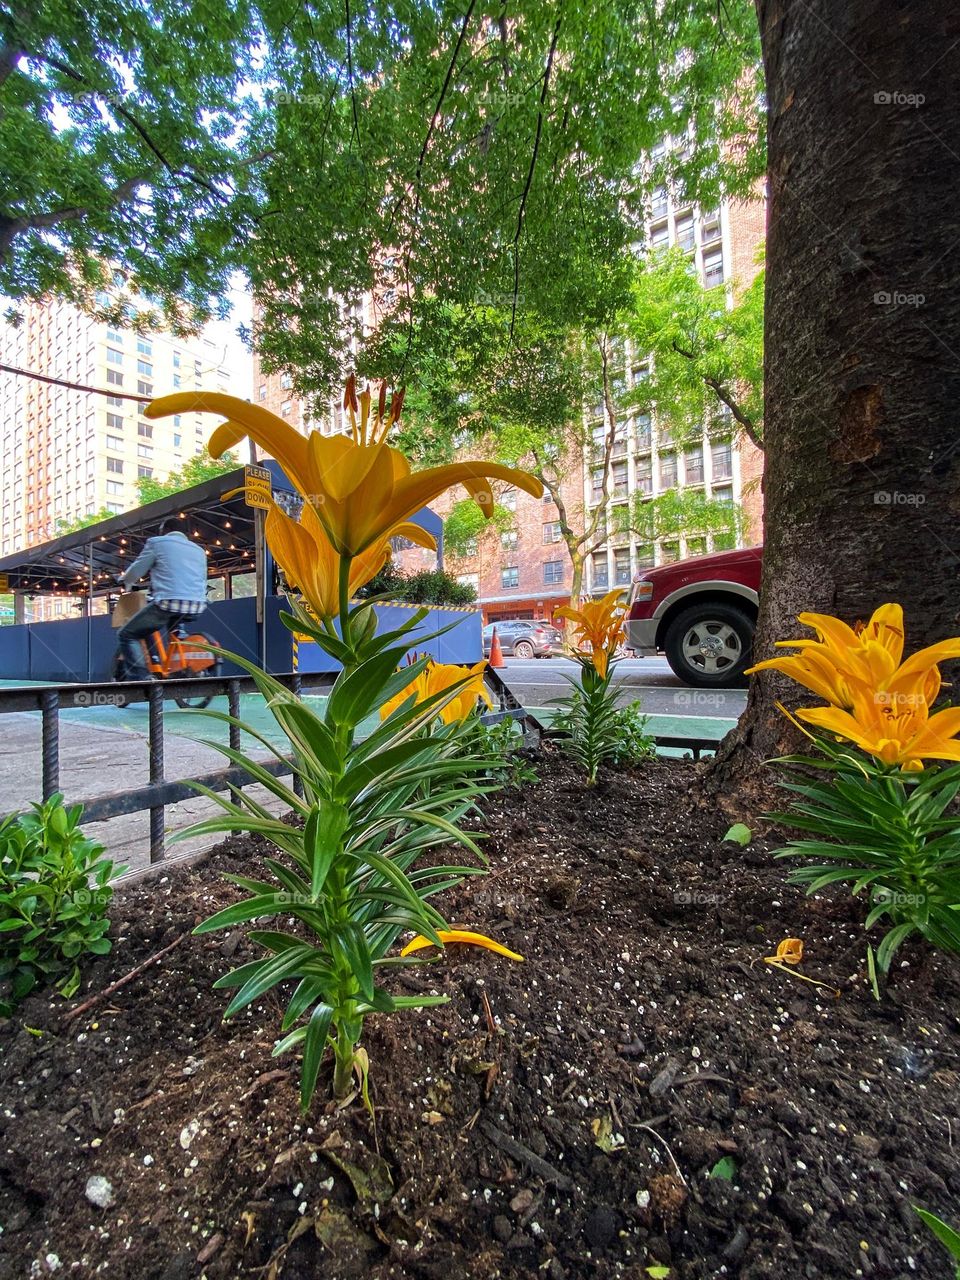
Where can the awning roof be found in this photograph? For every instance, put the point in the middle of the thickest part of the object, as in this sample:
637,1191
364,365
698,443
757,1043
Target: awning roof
222,525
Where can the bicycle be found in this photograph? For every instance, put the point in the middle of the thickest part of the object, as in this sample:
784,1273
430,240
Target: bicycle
173,653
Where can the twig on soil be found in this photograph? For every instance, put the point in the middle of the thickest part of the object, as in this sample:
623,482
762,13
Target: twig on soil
663,1142
122,982
511,1147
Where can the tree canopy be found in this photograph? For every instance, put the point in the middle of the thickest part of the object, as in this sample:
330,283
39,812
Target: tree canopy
194,471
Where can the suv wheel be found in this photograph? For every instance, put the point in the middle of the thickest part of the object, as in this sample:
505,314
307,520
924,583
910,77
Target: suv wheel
710,645
523,649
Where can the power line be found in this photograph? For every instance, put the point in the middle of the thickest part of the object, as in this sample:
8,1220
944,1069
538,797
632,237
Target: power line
73,386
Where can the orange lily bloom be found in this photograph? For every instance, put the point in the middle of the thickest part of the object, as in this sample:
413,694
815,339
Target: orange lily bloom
437,677
599,624
310,564
447,936
360,491
895,733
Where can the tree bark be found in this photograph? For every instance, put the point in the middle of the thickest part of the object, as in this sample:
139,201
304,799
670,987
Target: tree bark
862,336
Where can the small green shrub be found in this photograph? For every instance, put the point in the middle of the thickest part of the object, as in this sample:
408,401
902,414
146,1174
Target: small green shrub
632,743
54,895
503,741
430,586
603,732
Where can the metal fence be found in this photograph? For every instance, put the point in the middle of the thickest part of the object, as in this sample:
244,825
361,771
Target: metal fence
158,793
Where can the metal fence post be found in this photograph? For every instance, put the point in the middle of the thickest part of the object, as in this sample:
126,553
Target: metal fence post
50,741
155,696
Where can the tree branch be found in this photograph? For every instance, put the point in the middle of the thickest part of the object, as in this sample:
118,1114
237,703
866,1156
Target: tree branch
10,228
725,397
531,169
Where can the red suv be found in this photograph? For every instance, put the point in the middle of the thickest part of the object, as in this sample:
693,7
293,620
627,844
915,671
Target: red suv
701,613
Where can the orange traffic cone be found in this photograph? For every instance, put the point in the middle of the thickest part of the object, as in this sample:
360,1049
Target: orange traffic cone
496,652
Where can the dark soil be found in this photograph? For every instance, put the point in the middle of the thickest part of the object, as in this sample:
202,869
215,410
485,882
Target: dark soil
570,1116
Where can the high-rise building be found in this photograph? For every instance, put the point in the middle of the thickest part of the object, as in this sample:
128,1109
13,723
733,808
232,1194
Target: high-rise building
717,460
68,453
524,570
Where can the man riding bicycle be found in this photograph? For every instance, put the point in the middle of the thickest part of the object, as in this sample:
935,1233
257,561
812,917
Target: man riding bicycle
178,588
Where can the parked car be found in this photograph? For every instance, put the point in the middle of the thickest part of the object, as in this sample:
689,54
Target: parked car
524,637
701,613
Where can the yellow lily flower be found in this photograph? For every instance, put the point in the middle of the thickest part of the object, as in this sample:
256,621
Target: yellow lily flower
360,491
436,678
895,733
814,671
310,564
447,936
599,624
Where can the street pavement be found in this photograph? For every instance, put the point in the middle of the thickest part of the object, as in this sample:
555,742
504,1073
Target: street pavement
104,748
536,681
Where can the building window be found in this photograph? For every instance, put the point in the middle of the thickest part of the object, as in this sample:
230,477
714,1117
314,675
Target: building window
115,465
684,229
115,421
144,388
145,367
510,577
115,378
660,236
113,507
644,475
114,488
144,451
114,357
596,480
696,546
620,480
552,531
658,203
286,381
693,466
509,540
469,580
552,572
710,231
599,571
668,470
114,335
176,380
724,493
646,557
144,473
176,441
286,407
263,391
114,442
145,429
469,548
621,565
547,497
176,359
644,431
144,347
115,402
713,268
669,552
508,498
722,460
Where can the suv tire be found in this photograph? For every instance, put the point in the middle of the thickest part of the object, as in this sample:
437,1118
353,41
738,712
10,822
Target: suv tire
710,645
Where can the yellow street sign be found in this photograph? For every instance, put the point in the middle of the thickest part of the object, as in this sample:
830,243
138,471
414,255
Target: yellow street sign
4,582
257,487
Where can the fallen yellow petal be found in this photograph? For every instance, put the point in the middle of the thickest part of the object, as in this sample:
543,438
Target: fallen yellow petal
447,936
790,951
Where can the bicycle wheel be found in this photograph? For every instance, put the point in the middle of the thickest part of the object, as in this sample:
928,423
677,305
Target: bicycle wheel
199,664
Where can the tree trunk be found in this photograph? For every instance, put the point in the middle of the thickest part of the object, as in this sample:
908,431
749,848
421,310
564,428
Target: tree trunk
576,580
862,328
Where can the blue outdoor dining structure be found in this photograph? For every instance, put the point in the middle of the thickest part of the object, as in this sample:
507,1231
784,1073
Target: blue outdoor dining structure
245,588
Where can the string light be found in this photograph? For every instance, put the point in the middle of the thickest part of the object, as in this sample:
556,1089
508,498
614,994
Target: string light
227,524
